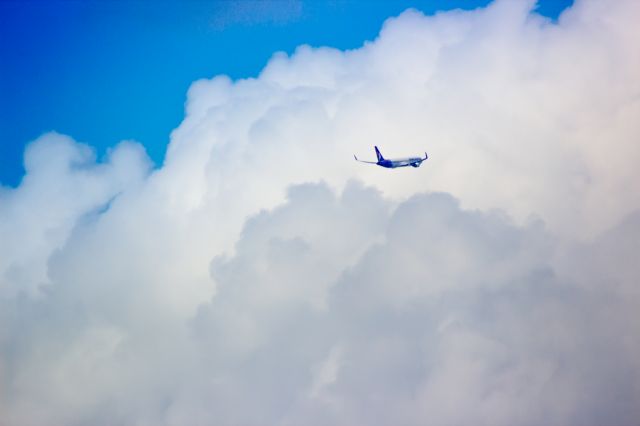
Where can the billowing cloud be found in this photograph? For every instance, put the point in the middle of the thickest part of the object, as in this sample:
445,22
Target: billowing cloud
260,276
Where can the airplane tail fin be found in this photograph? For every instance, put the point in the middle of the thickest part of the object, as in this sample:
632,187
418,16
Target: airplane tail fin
378,154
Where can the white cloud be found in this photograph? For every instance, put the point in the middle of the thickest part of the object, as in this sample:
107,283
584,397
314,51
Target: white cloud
253,279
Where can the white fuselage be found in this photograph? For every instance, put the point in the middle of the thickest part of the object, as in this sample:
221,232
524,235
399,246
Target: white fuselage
401,162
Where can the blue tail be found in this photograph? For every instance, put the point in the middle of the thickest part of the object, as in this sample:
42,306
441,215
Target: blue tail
380,157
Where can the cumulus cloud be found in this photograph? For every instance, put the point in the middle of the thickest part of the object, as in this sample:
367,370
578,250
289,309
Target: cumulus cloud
260,276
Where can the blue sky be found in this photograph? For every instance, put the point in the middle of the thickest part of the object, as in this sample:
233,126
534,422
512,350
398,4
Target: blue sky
103,71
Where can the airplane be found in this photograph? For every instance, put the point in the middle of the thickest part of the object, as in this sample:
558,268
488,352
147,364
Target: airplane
392,164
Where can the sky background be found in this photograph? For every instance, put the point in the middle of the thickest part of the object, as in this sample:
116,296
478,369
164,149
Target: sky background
190,246
105,71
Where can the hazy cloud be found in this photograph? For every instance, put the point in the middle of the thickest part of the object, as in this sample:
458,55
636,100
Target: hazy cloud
251,12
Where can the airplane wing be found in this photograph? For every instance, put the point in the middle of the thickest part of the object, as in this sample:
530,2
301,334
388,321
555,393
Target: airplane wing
368,162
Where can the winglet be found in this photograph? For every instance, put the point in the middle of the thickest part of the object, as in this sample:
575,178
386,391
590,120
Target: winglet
354,156
425,155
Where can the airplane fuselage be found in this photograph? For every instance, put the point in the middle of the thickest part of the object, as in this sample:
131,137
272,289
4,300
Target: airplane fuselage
400,162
